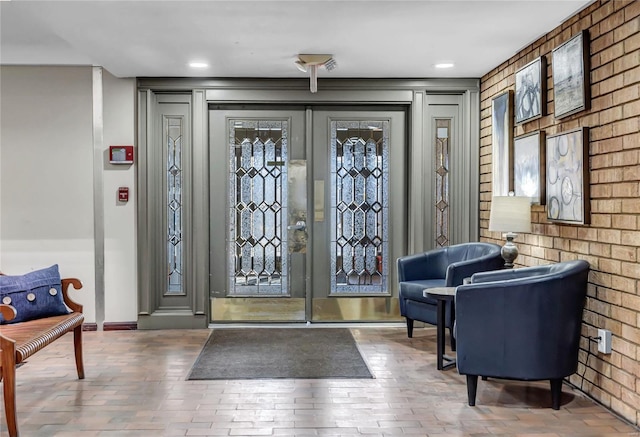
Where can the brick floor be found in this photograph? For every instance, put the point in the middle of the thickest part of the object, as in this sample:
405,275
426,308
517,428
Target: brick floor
135,386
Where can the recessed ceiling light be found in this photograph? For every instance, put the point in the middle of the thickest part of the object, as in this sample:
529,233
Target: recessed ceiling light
198,64
445,65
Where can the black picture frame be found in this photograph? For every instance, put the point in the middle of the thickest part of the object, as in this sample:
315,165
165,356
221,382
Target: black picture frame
530,100
502,143
567,176
529,166
570,64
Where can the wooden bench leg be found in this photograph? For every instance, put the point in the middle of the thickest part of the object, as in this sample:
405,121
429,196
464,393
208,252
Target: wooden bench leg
77,346
9,384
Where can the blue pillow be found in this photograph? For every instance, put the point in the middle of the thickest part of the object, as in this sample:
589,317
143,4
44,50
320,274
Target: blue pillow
34,295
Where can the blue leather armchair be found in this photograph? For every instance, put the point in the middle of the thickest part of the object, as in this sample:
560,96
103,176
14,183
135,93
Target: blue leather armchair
521,324
443,267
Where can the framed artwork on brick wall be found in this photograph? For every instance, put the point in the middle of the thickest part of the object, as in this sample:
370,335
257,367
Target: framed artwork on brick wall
568,176
570,67
502,139
531,94
528,166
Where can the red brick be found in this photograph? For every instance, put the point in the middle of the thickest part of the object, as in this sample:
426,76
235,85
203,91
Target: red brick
611,84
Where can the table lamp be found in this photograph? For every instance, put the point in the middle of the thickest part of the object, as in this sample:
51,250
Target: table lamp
510,214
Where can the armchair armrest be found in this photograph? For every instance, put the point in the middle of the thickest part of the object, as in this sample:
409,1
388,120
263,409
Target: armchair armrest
509,274
427,265
75,306
457,271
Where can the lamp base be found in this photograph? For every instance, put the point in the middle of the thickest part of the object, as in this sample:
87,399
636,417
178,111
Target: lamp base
509,251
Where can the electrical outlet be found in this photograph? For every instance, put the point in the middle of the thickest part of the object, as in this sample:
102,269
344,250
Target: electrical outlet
604,343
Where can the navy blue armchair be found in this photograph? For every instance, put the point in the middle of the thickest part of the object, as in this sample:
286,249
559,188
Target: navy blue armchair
442,267
521,324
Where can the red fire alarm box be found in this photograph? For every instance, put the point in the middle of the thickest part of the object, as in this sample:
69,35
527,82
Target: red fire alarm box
123,194
121,154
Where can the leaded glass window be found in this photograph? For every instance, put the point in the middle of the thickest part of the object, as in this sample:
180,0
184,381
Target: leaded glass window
443,131
258,175
173,134
359,212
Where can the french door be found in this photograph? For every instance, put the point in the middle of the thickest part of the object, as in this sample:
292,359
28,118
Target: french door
307,213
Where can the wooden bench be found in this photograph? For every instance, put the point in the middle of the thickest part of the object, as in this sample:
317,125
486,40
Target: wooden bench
19,341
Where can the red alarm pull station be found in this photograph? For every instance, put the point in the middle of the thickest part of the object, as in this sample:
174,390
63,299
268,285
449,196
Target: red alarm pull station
123,194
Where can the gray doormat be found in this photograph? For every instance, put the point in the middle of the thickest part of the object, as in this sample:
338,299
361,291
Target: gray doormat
280,353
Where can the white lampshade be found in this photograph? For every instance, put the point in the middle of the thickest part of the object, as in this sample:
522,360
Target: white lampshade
510,214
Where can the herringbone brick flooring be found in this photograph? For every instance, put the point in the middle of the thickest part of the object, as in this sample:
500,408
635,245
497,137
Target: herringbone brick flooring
136,386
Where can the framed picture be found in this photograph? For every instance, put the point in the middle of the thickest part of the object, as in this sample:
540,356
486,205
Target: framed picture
531,95
570,75
528,171
567,176
502,139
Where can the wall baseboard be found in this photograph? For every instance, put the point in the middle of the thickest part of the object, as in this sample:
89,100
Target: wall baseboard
120,326
111,326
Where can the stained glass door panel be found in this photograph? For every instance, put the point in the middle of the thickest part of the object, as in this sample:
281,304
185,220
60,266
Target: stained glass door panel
359,152
359,226
257,207
257,169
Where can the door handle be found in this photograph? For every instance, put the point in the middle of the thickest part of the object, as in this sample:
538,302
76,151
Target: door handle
300,225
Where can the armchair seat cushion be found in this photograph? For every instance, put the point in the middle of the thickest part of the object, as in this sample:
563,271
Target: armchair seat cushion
414,290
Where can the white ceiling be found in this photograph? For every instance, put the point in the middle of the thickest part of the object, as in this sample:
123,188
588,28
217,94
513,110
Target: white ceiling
368,39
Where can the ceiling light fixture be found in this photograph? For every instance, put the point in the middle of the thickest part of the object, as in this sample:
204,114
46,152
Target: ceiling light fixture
445,65
198,64
311,63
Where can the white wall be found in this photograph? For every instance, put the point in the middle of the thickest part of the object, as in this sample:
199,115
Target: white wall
121,294
47,179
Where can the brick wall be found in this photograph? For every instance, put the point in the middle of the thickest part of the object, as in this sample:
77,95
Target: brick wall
611,243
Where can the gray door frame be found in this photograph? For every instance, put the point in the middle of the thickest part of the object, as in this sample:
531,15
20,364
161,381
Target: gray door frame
422,97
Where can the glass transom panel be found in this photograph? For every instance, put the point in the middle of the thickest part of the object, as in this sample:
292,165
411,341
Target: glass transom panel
359,156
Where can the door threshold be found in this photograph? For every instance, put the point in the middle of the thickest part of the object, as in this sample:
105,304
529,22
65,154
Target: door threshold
221,325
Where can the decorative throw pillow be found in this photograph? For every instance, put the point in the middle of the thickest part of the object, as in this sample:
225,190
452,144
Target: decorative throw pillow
34,295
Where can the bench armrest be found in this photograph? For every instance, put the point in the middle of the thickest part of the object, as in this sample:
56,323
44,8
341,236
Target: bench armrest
75,306
8,312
